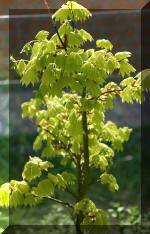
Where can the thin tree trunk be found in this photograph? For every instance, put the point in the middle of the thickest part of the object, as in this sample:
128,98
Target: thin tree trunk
86,168
84,173
78,229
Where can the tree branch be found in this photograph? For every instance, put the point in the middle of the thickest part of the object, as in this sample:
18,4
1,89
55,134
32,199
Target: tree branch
54,25
65,147
56,200
115,90
111,91
107,92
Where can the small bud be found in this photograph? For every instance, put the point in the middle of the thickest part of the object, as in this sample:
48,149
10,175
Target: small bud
65,36
92,98
133,82
65,39
11,189
59,47
93,216
118,92
76,31
57,147
104,99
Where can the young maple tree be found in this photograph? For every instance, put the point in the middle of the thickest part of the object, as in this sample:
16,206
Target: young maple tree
72,124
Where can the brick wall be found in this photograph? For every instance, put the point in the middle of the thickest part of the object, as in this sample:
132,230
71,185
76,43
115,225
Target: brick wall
5,5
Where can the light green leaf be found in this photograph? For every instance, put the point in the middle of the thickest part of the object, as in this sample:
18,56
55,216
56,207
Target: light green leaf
100,62
50,47
75,40
73,62
122,55
44,188
22,186
31,200
53,178
4,195
60,61
127,81
111,66
37,143
48,151
106,44
27,47
61,182
42,35
110,180
79,12
34,167
16,199
69,177
21,66
30,76
13,59
126,68
85,35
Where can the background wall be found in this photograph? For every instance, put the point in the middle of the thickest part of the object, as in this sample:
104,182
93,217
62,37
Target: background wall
5,5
